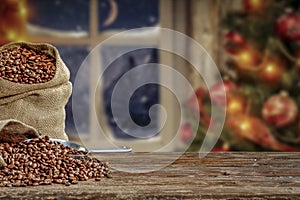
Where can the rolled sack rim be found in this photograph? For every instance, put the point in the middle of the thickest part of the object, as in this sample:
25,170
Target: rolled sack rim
62,73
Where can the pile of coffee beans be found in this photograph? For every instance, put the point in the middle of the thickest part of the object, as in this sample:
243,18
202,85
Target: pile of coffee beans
44,162
26,66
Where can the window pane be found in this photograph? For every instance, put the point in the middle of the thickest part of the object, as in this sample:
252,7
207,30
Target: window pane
141,100
73,56
127,14
58,17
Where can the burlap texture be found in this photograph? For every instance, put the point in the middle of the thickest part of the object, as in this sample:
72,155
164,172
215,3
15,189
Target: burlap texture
15,131
41,105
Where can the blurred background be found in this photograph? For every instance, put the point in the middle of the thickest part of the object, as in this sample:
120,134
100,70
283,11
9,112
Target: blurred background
254,43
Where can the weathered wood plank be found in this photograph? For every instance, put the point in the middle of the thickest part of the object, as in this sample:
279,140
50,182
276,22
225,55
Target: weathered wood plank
217,176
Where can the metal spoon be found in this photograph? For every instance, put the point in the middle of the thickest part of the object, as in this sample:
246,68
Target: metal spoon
78,147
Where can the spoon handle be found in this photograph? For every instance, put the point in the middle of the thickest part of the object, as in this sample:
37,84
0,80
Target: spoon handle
123,149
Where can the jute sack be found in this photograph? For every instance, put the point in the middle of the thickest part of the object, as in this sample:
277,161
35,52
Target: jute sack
15,131
41,105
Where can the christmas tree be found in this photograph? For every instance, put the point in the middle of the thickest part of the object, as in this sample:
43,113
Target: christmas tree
13,20
261,80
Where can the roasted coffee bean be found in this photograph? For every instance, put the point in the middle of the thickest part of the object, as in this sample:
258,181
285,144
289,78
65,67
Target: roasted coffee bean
26,66
43,162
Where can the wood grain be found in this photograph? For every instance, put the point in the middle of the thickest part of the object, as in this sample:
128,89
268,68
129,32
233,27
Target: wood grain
217,176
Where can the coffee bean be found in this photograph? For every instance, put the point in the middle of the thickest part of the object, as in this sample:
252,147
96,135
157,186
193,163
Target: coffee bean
43,162
19,63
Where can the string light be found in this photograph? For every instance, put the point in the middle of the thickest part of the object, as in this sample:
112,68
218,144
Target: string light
22,10
11,35
256,6
256,3
245,125
248,59
15,25
271,70
245,57
236,104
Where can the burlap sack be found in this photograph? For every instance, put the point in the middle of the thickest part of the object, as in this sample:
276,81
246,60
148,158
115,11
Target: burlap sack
42,105
15,131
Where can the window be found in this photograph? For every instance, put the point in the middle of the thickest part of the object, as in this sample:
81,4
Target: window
142,99
75,27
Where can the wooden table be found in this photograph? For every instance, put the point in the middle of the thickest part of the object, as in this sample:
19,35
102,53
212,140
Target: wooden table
217,176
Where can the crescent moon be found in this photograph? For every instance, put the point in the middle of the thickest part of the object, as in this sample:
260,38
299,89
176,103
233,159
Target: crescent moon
112,14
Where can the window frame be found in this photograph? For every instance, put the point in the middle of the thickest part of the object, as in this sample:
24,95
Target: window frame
167,9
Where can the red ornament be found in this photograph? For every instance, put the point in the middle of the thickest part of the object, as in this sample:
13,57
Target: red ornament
195,102
280,110
288,26
186,133
253,129
272,70
234,42
254,6
220,89
219,149
206,119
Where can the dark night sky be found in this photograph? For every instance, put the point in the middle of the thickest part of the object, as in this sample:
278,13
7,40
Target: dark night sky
74,14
